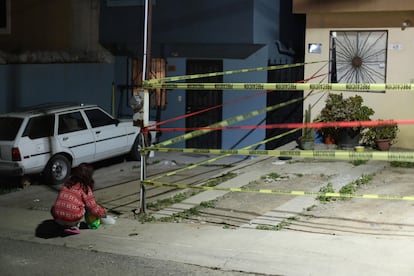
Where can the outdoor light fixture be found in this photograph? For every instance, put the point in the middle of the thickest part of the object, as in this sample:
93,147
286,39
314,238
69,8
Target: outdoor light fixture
314,48
405,24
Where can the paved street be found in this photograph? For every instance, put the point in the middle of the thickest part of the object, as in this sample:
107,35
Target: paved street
292,251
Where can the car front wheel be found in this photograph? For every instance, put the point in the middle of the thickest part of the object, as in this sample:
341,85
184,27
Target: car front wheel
57,170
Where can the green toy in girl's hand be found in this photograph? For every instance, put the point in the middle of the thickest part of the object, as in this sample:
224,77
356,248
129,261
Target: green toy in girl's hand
92,221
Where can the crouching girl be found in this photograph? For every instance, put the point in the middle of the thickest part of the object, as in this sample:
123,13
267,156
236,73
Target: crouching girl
75,198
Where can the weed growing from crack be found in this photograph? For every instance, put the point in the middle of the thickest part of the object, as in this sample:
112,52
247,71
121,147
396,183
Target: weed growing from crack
218,180
143,218
358,162
326,189
351,188
402,164
195,211
348,189
178,217
278,227
160,204
208,204
273,177
310,208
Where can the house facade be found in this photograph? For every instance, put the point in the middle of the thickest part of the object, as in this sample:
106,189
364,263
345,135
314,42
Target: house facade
371,42
91,50
50,52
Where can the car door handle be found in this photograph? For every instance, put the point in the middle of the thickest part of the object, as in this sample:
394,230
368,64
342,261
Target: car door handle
65,138
98,132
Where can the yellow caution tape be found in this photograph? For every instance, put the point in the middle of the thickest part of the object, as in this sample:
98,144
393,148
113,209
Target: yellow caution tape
315,154
280,192
364,87
211,160
230,72
227,122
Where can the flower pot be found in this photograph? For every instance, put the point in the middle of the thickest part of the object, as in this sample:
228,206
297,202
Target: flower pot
383,144
348,138
306,144
329,140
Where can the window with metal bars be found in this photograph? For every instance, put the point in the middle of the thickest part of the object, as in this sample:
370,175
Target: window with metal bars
358,56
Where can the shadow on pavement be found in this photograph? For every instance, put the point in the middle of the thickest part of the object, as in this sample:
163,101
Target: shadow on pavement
49,229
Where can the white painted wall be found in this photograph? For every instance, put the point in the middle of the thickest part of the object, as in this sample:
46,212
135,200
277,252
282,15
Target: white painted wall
390,105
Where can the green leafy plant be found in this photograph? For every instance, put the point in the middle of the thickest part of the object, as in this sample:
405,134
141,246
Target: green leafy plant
306,141
348,189
308,133
351,188
338,109
326,189
383,132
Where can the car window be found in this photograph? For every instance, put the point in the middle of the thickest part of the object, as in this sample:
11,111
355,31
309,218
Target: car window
98,118
70,122
39,127
9,127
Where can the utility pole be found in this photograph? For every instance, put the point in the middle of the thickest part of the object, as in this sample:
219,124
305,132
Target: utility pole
144,95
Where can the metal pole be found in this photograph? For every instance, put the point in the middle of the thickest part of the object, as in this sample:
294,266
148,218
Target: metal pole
142,194
145,66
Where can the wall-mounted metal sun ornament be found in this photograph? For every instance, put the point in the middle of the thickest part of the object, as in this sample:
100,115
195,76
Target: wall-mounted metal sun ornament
358,56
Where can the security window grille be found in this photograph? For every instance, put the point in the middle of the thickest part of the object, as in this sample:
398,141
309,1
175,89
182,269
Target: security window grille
358,56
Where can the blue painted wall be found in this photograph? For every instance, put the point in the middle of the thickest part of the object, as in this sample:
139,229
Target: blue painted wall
176,101
207,22
237,138
266,21
31,84
230,138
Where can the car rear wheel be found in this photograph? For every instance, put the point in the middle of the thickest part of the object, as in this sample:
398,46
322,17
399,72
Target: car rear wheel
57,170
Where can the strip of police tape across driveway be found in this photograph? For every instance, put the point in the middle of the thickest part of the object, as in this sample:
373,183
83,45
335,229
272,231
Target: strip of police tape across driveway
315,125
227,122
280,192
230,72
361,87
350,155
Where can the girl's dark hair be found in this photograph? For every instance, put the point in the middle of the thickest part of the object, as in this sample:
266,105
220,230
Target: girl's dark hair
83,175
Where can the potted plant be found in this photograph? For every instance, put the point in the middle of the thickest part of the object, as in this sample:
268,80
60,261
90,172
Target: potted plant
380,137
307,140
340,109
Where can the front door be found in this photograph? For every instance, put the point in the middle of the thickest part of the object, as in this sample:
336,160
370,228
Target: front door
201,99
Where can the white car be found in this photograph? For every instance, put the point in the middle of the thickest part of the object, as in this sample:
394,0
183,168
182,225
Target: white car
51,139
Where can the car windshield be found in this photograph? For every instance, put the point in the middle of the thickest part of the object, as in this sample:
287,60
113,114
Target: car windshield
9,126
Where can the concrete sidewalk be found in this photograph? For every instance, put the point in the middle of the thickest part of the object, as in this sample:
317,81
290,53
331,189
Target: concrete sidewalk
247,250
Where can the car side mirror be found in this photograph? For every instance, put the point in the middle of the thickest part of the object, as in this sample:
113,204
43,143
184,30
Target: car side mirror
116,122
